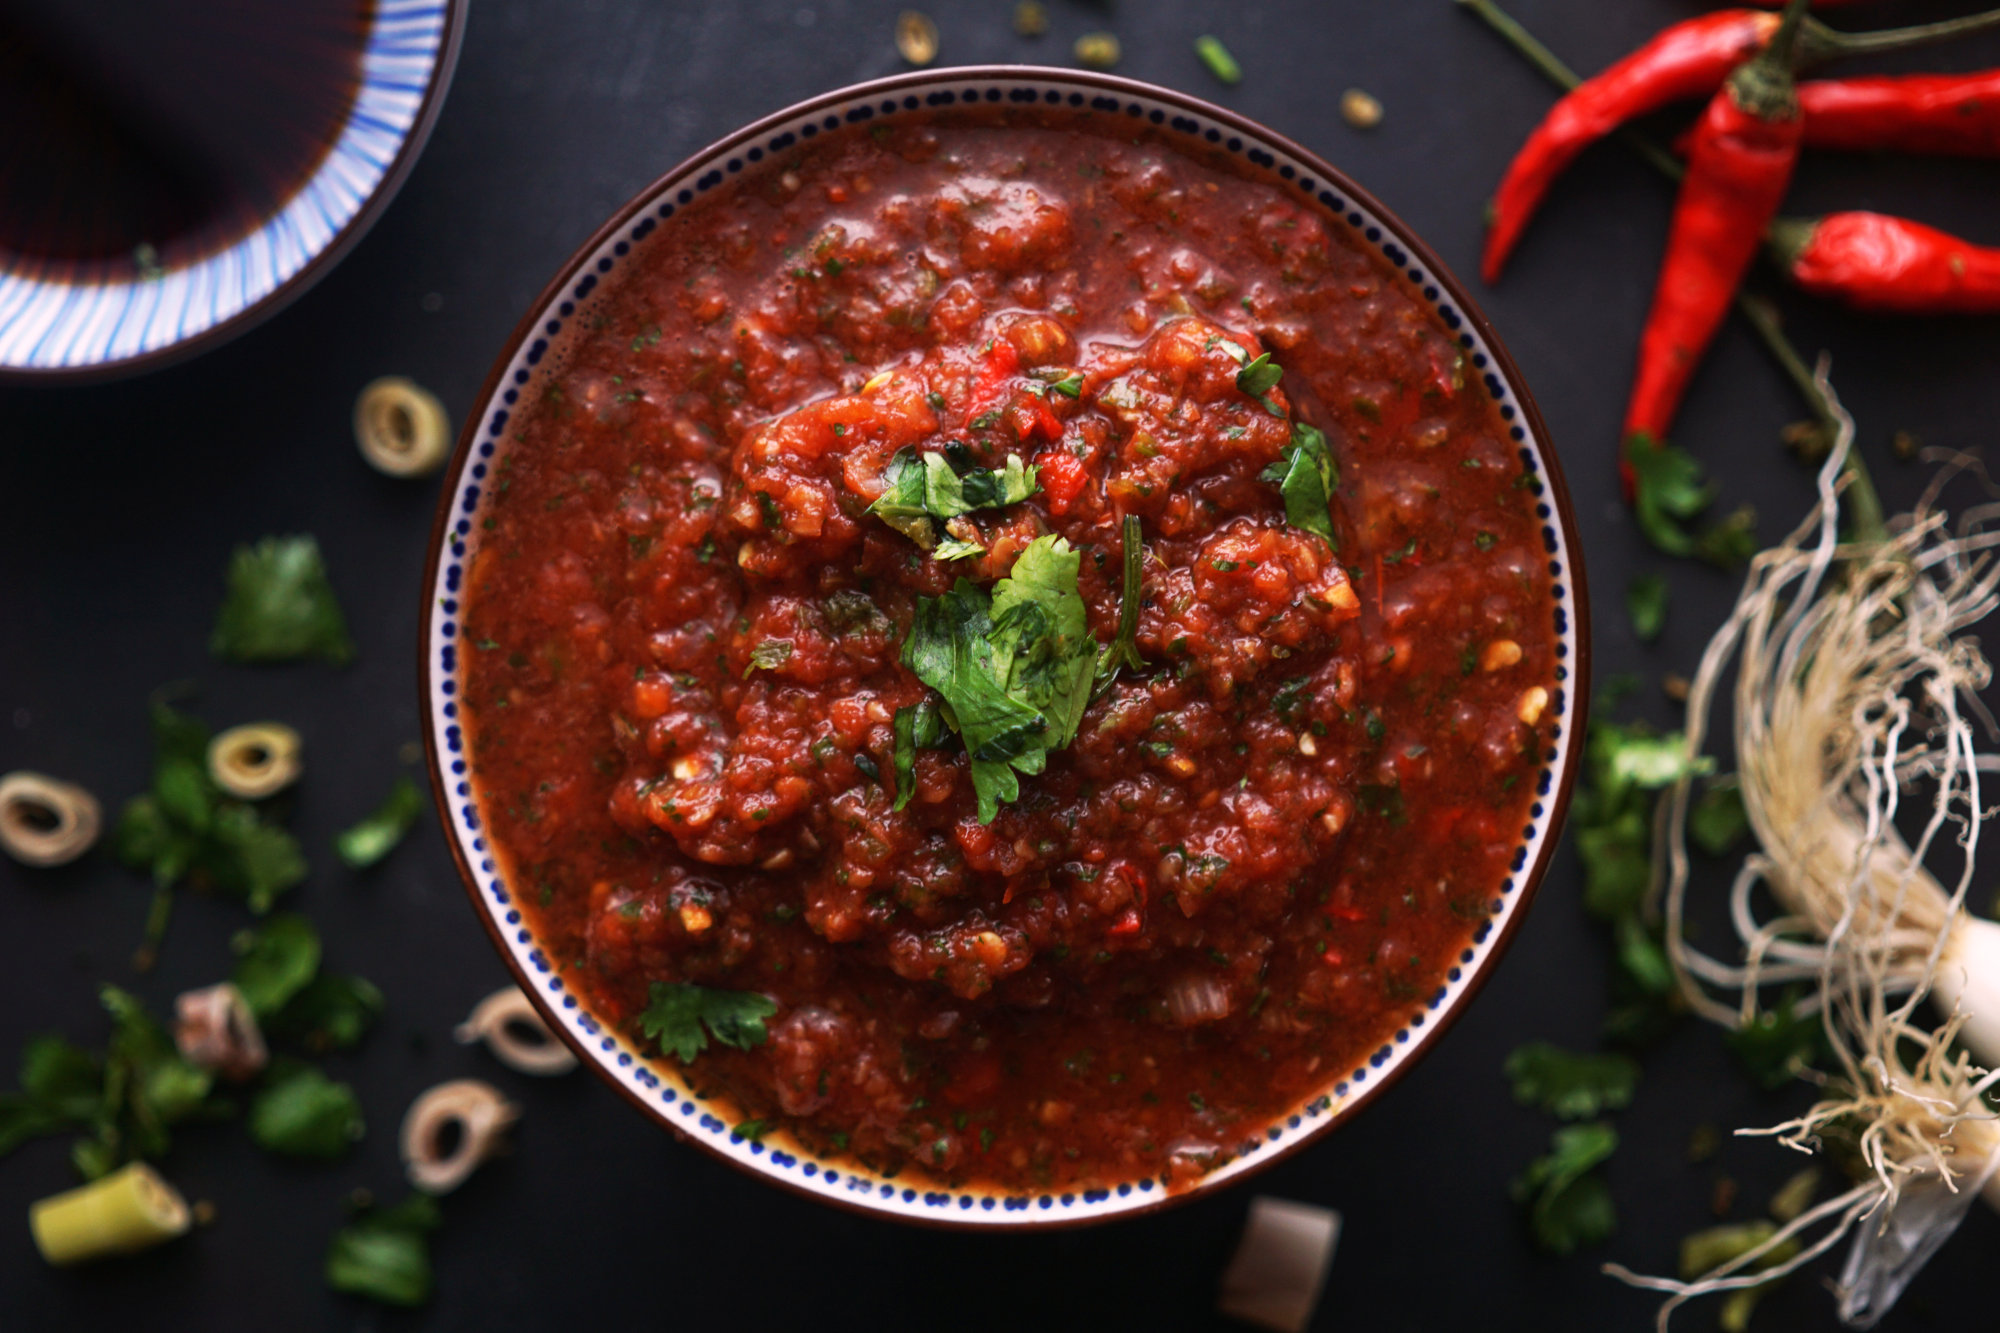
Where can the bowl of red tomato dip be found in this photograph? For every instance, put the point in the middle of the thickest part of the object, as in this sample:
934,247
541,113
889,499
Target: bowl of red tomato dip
1005,647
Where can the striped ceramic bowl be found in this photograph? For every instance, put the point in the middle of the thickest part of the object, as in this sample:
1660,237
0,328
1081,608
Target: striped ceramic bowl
78,322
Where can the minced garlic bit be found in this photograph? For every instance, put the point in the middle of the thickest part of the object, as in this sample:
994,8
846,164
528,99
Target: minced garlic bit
1099,50
1359,109
255,760
916,37
1275,1279
401,427
1031,18
214,1029
507,1022
482,1116
1499,655
1533,701
130,1209
45,821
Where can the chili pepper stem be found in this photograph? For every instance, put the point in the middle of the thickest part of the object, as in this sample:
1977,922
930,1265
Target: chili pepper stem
1763,317
1765,85
1817,42
157,915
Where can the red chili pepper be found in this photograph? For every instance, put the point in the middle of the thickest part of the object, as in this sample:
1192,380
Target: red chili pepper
1925,113
1000,363
1739,164
1876,262
1689,59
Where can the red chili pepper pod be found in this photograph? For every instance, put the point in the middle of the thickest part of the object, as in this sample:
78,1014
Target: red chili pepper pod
1875,262
1925,113
1687,60
1739,163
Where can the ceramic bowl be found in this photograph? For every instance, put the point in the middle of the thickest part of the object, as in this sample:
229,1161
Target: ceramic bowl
64,321
649,220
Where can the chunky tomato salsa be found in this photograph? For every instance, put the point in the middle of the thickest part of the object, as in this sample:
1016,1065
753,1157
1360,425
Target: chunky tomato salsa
1009,651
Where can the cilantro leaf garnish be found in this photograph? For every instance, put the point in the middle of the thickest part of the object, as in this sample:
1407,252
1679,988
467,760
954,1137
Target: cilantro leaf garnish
1306,476
331,1012
920,492
1574,1087
275,961
367,842
1669,490
951,548
1646,604
185,828
148,1087
1568,1203
300,1112
917,727
1778,1043
1070,386
280,606
385,1254
62,1087
769,656
1014,666
1717,820
1259,376
682,1018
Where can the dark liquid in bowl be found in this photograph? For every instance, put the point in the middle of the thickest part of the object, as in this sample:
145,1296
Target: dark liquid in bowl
136,133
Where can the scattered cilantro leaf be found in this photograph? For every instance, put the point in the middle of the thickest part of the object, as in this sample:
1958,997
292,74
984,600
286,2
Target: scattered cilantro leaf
1069,386
62,1087
148,1088
186,828
330,1013
367,842
769,656
274,961
1568,1202
1574,1087
280,606
1306,476
385,1254
920,491
1220,63
682,1018
917,727
951,548
1780,1042
1717,820
1646,604
1259,376
1669,488
1731,542
300,1112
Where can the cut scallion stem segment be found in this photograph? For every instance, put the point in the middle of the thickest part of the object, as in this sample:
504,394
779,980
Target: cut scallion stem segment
128,1210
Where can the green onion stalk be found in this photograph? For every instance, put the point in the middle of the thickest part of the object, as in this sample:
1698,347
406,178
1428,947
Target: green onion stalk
1855,698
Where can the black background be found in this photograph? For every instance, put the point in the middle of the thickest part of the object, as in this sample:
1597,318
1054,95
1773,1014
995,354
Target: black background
119,505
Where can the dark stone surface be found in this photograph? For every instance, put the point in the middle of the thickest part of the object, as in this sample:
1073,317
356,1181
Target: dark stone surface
119,504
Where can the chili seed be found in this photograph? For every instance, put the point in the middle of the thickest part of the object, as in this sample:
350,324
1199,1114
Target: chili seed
916,37
1360,110
1099,50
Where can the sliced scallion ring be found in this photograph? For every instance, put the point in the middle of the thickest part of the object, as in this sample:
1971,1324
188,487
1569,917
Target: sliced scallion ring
130,1209
255,760
401,427
435,1164
214,1029
507,1022
45,821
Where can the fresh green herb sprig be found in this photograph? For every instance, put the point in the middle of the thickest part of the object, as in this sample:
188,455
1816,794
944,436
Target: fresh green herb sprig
1567,1199
277,969
384,1254
187,830
1306,475
376,835
1669,491
1013,666
300,1112
922,491
1646,605
280,606
682,1017
1572,1086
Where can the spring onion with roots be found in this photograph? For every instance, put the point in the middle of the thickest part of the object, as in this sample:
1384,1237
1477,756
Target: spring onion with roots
1855,698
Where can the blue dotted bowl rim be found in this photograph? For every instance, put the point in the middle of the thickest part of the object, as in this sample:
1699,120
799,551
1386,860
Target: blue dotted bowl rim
657,1089
399,41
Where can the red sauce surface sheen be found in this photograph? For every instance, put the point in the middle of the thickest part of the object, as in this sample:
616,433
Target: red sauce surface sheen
1261,853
